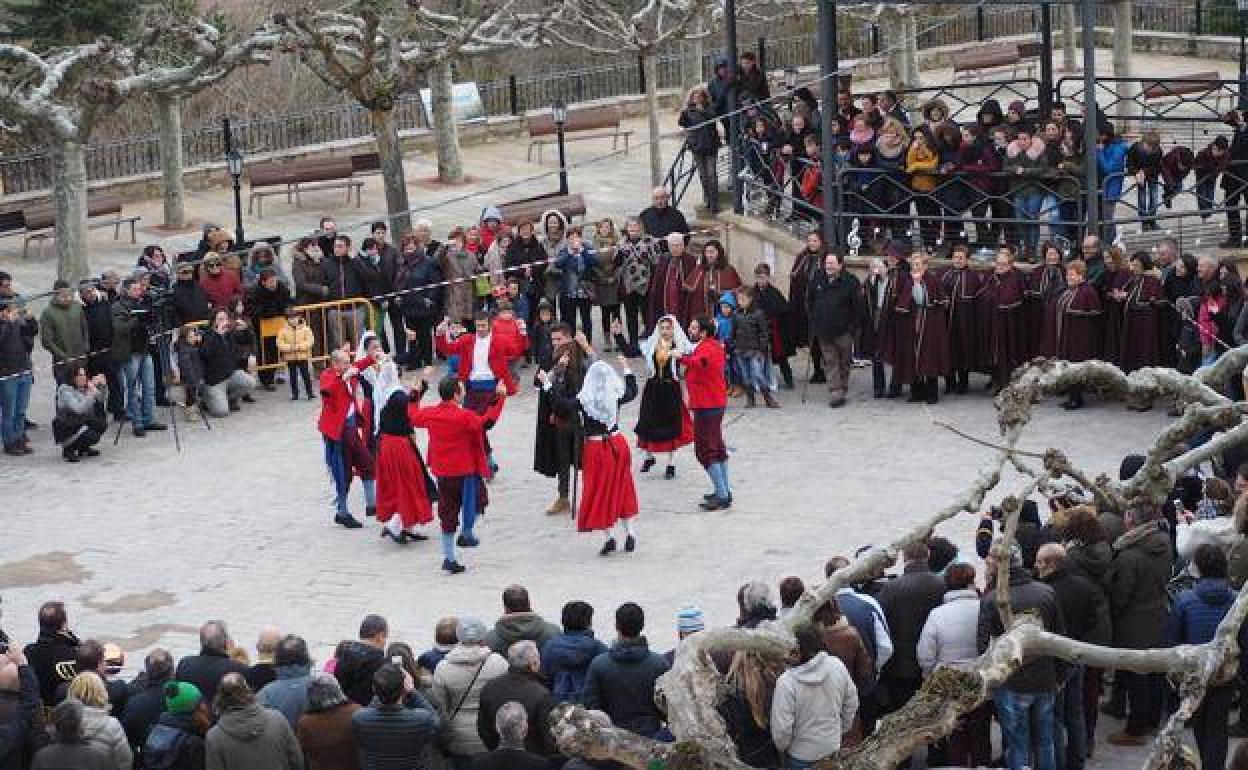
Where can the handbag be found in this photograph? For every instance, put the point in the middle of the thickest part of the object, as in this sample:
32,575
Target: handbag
443,738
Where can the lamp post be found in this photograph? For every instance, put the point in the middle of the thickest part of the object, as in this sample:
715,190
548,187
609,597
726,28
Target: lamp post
234,163
560,111
1243,54
790,83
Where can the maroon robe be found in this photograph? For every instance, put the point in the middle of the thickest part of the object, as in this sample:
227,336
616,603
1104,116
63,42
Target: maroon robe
1114,310
669,289
1044,285
962,286
920,332
1077,323
702,288
885,320
1003,340
799,281
1138,342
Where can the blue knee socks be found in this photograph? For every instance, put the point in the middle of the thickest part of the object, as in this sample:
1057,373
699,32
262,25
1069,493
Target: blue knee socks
370,492
448,546
468,505
719,476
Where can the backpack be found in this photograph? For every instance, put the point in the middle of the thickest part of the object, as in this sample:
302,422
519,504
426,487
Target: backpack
163,747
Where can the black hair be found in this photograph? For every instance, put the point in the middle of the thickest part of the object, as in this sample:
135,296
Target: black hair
577,616
372,625
516,599
52,617
1210,561
940,552
378,225
630,619
291,650
344,239
448,387
388,684
809,642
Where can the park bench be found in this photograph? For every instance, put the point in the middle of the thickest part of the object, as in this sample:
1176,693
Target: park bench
973,62
531,209
36,219
307,175
586,122
1203,84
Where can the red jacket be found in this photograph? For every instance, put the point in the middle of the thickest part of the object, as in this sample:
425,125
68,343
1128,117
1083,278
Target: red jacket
456,437
503,348
336,398
223,290
704,375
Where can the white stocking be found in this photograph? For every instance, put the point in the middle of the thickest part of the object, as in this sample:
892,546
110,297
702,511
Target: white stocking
628,527
394,525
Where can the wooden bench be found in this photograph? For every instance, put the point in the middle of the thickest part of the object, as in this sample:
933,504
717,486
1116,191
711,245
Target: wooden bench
36,219
530,209
307,175
587,122
1205,84
976,60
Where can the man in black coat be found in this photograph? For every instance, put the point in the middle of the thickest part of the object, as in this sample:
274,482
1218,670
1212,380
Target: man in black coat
343,279
99,314
512,753
420,310
225,380
521,684
836,311
213,661
147,697
190,301
621,680
906,602
397,730
377,278
661,218
20,713
56,644
359,660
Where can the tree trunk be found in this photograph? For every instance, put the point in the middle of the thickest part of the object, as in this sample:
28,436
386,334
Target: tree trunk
169,116
445,132
691,64
650,63
1069,52
911,28
69,195
1123,32
390,152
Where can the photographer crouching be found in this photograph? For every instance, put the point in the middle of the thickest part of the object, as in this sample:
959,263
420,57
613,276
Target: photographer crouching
81,418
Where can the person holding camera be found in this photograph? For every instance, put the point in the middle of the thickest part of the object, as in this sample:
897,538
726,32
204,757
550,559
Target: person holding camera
81,418
17,338
131,318
225,381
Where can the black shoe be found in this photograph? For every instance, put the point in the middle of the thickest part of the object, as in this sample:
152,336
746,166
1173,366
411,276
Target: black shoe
879,393
648,464
311,396
453,567
371,511
711,496
399,538
89,452
347,520
120,418
670,473
269,387
467,542
818,378
156,426
30,425
413,537
294,396
139,432
837,402
607,547
163,403
893,392
1231,243
630,544
248,398
234,407
933,394
69,455
1072,404
716,504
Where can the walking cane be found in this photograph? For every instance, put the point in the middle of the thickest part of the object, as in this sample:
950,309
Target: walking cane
576,468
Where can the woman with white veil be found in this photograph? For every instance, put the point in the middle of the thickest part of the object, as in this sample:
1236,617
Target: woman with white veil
609,496
663,423
404,488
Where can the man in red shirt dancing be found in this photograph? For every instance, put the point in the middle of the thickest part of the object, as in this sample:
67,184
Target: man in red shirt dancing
345,451
708,396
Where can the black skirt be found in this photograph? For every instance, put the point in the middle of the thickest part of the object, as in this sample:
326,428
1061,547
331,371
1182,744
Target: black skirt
659,418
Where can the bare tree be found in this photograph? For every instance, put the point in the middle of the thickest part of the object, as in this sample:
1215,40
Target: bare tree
689,692
57,100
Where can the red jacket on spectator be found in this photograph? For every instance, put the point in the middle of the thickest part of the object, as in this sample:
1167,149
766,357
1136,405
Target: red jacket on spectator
456,437
336,399
503,348
223,289
811,183
704,375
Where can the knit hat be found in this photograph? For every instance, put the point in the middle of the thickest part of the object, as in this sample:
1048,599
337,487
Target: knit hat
690,620
181,697
492,212
470,631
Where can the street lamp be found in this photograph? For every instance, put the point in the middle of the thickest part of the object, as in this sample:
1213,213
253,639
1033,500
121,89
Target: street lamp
560,110
234,164
1243,54
790,83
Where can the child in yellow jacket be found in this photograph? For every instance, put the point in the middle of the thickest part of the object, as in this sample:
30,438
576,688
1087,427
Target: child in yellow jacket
294,343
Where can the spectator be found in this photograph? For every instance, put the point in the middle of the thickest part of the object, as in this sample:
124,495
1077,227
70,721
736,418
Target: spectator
246,736
101,659
566,656
17,339
621,680
702,139
746,707
81,416
1024,702
1143,162
63,330
1111,156
867,617
422,300
147,697
814,704
755,604
521,684
130,336
288,693
376,274
457,685
660,219
223,287
512,727
518,622
99,316
574,265
841,640
751,80
396,730
70,749
98,728
358,661
21,728
791,589
225,380
269,299
264,670
344,280
1209,164
325,730
176,741
55,645
443,640
906,602
213,661
836,311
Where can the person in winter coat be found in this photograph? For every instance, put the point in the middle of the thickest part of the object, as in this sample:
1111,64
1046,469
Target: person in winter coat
70,750
176,740
458,266
99,729
519,622
295,342
1028,159
842,641
906,602
206,669
1137,598
1209,164
1143,162
1235,180
814,704
751,342
22,731
97,310
357,661
397,730
575,263
720,90
325,729
269,299
1111,158
457,685
226,382
80,417
190,301
566,656
607,277
247,736
521,684
288,694
746,707
421,300
702,139
621,680
63,331
17,338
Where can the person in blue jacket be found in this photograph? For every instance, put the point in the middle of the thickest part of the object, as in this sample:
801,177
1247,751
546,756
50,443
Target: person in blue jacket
1111,162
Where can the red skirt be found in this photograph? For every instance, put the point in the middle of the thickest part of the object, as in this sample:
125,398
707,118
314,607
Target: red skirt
401,483
684,439
608,494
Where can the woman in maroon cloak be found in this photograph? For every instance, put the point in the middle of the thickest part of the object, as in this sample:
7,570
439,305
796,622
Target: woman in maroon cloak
706,282
881,301
1113,302
961,285
1044,285
1140,336
1003,340
1077,324
921,331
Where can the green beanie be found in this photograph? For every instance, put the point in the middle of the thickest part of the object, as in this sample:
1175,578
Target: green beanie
181,697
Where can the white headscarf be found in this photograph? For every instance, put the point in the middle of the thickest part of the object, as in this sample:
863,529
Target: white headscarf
680,342
601,393
368,373
387,384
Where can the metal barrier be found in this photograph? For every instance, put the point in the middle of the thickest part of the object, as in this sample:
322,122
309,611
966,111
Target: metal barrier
332,324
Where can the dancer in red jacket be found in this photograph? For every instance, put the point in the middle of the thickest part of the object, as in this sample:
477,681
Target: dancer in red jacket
458,460
345,450
708,396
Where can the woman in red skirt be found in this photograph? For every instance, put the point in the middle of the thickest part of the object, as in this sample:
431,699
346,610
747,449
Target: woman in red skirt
609,497
405,491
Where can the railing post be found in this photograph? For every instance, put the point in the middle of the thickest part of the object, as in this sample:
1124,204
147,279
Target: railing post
513,94
641,72
979,23
762,55
1199,18
875,38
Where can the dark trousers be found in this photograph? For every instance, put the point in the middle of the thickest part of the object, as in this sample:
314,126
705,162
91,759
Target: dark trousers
90,437
159,352
970,743
1071,729
420,353
898,690
569,307
1145,693
396,322
1209,725
301,369
929,228
116,391
1091,703
708,436
634,315
609,313
1232,200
